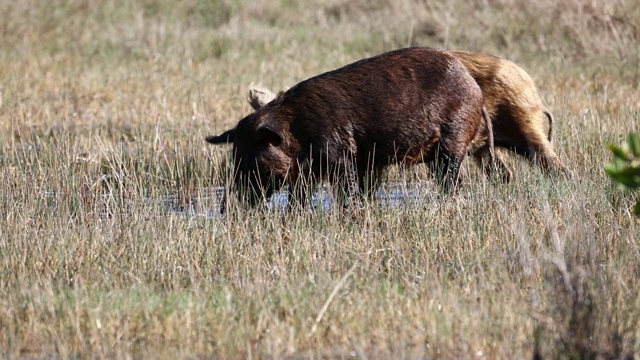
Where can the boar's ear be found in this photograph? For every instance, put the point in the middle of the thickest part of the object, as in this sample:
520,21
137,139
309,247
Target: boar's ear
227,137
267,132
258,96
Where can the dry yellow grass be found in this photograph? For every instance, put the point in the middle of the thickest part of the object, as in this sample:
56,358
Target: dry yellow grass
109,241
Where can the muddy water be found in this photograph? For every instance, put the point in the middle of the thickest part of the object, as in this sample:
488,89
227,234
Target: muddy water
208,201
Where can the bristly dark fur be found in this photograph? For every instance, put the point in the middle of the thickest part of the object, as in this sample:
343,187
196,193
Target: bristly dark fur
409,105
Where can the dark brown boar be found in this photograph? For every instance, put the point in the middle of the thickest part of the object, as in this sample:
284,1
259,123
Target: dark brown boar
516,109
518,115
405,106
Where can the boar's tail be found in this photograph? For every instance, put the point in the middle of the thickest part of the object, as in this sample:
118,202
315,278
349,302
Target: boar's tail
227,137
489,124
550,117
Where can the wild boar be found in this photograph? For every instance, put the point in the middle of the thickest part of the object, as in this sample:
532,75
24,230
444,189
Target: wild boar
516,109
518,115
405,106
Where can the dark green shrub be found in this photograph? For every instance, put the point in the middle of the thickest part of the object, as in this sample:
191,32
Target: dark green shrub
625,169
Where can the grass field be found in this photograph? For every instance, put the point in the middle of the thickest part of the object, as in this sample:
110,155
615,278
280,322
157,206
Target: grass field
110,245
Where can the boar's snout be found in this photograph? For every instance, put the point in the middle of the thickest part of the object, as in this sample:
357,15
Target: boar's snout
261,160
254,181
248,189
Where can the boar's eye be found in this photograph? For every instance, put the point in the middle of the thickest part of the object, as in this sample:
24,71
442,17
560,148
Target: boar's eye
265,134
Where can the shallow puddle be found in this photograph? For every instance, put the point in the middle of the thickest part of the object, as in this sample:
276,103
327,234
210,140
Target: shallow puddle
208,201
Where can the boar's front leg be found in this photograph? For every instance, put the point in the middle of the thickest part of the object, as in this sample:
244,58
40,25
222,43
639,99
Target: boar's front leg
446,167
299,192
346,180
448,170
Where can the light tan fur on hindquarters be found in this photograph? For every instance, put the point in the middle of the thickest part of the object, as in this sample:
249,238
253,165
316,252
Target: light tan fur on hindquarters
515,107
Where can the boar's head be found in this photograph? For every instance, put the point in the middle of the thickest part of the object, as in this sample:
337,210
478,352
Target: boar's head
261,155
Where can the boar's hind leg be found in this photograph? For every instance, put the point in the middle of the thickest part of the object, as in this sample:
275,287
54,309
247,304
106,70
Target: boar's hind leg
447,168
